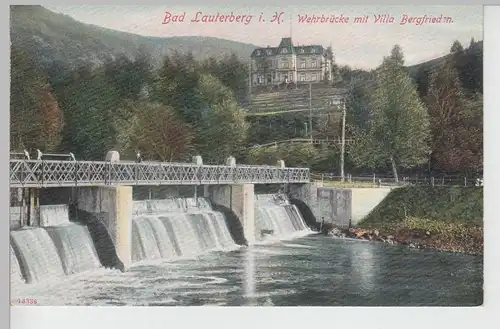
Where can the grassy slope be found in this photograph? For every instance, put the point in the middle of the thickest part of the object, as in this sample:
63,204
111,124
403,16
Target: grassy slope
50,36
446,204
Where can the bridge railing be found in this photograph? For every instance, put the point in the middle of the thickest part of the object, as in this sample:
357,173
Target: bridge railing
374,180
51,173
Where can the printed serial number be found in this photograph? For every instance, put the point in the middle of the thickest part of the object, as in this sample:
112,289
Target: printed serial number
23,301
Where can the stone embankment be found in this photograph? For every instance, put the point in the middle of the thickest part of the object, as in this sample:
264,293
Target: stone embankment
466,240
441,218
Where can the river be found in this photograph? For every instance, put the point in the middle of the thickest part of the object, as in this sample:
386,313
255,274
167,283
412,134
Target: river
306,271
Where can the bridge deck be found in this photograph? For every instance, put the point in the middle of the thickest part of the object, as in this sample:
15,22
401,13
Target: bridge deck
50,173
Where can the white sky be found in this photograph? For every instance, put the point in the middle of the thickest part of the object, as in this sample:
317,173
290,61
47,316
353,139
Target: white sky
359,45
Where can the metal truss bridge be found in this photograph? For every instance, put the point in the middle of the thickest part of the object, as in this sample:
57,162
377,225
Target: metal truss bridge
51,173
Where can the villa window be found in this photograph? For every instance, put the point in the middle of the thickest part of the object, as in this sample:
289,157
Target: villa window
314,63
303,64
269,52
314,77
313,50
258,52
284,65
302,50
284,51
303,77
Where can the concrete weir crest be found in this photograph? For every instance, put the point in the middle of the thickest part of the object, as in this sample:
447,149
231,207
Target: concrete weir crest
114,207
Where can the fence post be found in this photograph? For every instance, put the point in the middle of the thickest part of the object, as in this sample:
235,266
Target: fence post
373,179
322,178
465,181
432,181
442,181
109,175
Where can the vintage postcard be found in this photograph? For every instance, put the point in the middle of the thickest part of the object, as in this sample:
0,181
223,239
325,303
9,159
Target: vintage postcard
246,156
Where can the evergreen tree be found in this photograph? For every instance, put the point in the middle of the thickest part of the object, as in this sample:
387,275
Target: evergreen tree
456,47
472,42
223,130
36,121
90,103
456,123
358,107
176,85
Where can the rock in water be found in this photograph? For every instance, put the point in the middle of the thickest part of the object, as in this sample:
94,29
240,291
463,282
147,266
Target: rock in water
335,232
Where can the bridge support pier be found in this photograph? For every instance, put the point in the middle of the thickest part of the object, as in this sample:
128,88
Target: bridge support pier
113,205
317,203
240,199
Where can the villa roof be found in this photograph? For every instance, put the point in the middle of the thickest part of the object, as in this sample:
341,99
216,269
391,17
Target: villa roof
286,43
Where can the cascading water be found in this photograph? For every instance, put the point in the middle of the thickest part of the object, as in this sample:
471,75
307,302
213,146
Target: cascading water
171,228
144,244
52,215
16,275
53,251
277,218
75,247
165,245
37,254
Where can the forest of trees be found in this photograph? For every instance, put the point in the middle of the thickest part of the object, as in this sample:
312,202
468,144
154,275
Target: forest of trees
428,123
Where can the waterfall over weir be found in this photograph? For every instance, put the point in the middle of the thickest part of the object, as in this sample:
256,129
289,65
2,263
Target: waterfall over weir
16,276
49,252
279,218
161,229
75,248
37,253
54,215
173,228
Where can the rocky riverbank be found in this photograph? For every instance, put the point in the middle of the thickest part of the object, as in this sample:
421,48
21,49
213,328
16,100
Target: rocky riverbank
420,234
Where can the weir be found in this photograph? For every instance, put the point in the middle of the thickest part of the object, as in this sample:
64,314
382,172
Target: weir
171,229
166,229
103,226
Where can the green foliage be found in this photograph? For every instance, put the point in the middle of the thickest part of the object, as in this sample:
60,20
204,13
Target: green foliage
187,103
176,85
36,120
89,103
358,105
439,204
129,76
468,62
295,155
456,47
399,125
156,130
231,71
456,123
223,130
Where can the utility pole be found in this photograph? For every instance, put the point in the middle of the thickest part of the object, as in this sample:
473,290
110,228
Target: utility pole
342,151
250,82
310,111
